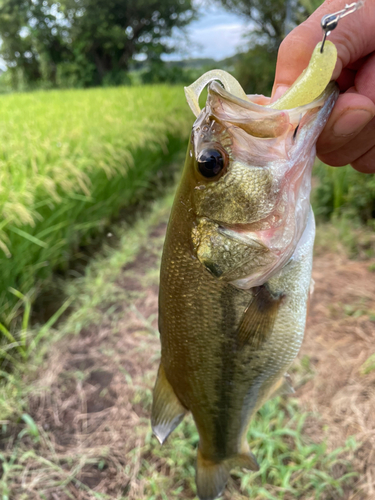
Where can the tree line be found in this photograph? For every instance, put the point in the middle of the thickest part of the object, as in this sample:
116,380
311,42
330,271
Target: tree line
85,42
82,43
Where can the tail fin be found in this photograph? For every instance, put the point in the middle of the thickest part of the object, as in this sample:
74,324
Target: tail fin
212,477
167,411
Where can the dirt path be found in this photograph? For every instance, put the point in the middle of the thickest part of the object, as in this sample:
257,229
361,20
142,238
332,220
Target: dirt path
93,398
340,338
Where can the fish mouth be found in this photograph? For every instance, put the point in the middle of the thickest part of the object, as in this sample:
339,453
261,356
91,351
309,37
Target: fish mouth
255,114
248,252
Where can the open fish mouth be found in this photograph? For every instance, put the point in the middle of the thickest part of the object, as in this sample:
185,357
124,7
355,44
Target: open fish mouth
253,104
258,119
255,113
309,87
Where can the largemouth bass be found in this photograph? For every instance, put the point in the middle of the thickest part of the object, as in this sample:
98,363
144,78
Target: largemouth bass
236,269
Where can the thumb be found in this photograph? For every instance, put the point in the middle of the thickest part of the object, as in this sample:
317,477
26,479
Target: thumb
354,39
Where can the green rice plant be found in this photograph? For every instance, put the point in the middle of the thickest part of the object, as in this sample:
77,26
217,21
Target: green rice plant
69,161
20,341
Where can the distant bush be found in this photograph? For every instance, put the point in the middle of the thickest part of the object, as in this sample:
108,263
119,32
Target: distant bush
162,72
69,161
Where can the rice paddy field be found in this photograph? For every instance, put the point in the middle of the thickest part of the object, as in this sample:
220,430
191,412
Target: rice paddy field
75,395
69,161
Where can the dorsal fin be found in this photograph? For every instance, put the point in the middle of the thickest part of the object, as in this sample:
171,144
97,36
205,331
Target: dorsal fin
259,317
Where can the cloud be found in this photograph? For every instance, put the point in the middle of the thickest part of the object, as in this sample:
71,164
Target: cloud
218,41
216,33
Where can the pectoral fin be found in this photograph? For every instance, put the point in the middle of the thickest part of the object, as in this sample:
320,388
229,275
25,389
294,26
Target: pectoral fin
259,318
167,411
212,476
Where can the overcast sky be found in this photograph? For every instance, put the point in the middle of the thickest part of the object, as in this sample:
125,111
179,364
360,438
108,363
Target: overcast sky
216,33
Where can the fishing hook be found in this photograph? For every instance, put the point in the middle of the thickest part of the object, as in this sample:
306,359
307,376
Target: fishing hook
330,21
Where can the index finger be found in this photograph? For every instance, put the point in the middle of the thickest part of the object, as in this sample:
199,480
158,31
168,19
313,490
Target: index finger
353,37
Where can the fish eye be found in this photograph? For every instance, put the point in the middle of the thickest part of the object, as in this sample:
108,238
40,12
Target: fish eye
210,162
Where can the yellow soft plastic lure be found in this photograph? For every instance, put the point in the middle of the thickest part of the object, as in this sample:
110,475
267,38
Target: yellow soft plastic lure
313,80
308,86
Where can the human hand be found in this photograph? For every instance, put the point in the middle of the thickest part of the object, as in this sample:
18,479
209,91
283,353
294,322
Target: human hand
349,135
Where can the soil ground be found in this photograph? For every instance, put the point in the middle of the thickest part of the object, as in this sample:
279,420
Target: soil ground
92,397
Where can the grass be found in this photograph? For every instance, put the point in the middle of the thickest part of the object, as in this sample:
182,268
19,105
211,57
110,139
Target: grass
53,446
345,236
89,295
291,464
69,161
344,193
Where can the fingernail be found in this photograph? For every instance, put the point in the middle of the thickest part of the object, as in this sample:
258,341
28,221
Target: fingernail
351,122
280,90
